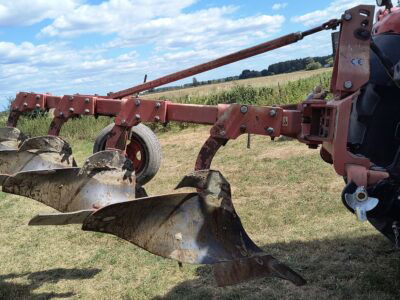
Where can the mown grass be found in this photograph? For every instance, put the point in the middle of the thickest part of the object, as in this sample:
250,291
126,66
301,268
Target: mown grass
289,203
287,198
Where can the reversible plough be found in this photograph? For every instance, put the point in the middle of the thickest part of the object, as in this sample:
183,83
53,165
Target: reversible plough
357,132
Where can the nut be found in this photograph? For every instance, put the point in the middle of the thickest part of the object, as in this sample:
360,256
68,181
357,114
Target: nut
347,17
348,84
270,130
244,109
272,113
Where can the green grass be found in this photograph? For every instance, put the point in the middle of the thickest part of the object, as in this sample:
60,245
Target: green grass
289,203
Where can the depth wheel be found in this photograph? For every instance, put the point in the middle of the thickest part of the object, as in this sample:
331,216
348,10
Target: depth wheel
143,149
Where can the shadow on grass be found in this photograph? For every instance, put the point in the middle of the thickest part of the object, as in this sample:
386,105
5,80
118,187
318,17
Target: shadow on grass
11,290
342,268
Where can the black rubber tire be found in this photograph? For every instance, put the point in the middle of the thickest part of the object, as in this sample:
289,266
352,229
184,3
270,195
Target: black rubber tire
148,140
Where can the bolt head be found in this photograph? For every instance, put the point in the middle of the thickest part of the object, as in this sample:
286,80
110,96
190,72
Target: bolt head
272,113
25,104
87,111
71,109
137,102
38,105
137,117
158,105
87,100
157,118
347,17
61,113
71,98
348,84
123,121
37,97
244,109
270,130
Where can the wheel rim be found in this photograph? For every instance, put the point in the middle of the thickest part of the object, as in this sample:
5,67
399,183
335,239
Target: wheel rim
136,153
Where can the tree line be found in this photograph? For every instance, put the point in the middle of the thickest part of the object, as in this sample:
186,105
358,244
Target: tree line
309,63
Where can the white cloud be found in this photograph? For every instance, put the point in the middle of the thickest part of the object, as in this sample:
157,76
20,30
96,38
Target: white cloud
28,12
278,6
112,16
175,39
334,10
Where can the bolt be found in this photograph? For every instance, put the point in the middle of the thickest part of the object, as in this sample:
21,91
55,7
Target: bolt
137,102
123,121
25,104
347,17
61,113
71,98
137,117
222,132
71,109
87,111
348,84
158,105
157,118
37,97
361,194
38,105
244,109
270,130
272,113
87,100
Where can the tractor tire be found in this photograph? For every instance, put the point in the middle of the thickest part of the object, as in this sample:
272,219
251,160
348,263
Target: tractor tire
144,139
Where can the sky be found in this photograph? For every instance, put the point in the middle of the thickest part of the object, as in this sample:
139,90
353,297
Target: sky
98,46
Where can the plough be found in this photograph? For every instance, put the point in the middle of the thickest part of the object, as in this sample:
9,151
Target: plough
107,195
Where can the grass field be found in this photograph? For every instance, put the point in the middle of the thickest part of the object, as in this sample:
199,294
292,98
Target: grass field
205,90
287,198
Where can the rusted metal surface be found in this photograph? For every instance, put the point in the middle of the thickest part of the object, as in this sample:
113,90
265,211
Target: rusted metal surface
352,60
198,228
105,178
76,217
242,270
208,151
40,153
10,138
